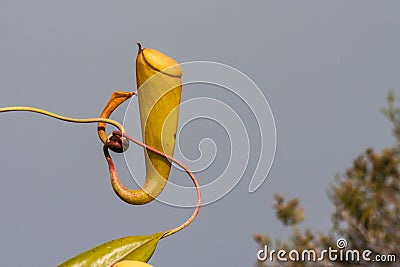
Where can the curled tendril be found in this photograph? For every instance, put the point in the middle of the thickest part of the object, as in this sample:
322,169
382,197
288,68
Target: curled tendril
117,142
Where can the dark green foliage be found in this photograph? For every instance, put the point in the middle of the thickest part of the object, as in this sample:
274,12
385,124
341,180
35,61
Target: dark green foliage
367,207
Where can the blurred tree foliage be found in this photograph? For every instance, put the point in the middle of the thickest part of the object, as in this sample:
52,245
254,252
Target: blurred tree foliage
367,208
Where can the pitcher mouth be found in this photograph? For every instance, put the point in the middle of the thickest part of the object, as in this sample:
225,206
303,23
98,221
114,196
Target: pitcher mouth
168,66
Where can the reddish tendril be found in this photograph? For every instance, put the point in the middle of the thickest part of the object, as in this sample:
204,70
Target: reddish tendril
118,143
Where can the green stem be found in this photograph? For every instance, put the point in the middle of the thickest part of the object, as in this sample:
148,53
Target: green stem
108,157
63,118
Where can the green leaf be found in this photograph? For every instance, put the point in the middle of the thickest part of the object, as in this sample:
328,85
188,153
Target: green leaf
138,248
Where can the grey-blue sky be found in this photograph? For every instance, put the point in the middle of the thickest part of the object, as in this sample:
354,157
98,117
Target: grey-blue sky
325,68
